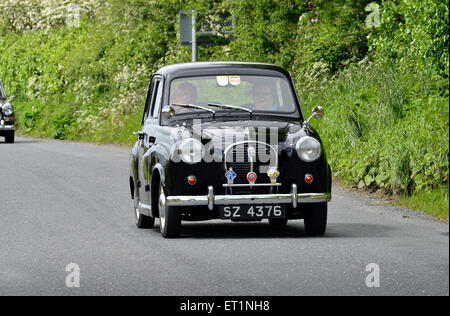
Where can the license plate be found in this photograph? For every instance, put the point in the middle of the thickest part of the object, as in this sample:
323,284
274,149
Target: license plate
252,211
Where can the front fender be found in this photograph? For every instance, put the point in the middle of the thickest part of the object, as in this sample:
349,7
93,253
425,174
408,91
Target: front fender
155,158
133,163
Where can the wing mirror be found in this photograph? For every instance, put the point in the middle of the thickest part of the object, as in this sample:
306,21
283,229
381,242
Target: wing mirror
318,113
12,98
167,112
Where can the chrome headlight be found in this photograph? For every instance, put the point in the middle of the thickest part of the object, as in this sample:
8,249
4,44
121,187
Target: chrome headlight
308,149
191,151
7,109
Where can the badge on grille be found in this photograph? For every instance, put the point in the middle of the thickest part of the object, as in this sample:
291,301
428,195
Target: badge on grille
273,174
251,177
231,175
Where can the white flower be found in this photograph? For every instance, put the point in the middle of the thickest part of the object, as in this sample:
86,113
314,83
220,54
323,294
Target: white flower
28,15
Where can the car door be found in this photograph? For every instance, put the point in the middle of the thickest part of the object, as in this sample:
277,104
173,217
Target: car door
148,137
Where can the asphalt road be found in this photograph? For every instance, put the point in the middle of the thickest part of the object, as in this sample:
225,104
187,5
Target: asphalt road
63,203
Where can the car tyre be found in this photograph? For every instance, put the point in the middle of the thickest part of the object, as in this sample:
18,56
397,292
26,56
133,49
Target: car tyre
279,222
142,221
169,217
9,138
316,219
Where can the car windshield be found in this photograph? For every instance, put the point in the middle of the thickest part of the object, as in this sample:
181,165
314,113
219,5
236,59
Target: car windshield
256,93
2,91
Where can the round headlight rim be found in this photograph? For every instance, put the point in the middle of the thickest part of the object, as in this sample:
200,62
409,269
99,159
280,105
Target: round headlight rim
8,109
300,141
181,154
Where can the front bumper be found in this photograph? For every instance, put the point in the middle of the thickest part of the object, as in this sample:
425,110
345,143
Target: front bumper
212,200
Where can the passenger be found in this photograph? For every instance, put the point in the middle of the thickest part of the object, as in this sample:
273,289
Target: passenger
264,98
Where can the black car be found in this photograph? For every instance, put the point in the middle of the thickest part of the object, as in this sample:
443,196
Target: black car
229,141
6,116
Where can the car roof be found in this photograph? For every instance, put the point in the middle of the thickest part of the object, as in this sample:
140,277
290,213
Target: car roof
199,68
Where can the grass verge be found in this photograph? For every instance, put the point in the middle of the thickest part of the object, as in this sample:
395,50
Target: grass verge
433,202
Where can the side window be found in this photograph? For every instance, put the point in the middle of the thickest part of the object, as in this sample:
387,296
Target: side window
148,101
156,105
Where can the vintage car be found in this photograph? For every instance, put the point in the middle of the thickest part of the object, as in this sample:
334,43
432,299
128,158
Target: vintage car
229,141
6,116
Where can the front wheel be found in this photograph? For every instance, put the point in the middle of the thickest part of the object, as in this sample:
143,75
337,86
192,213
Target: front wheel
142,221
169,217
316,218
9,138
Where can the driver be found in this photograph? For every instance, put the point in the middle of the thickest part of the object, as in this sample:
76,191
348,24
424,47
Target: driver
185,93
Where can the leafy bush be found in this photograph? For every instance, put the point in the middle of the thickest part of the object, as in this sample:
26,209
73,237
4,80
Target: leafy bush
416,29
60,125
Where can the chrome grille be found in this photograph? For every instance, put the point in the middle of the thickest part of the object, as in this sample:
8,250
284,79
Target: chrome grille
237,157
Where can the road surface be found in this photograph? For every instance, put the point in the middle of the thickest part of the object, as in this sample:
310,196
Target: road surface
63,203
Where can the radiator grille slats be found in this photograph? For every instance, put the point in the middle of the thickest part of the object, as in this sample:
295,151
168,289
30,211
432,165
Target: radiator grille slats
238,159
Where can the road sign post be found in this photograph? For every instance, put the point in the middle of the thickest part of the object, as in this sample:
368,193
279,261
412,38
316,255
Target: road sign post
194,38
192,35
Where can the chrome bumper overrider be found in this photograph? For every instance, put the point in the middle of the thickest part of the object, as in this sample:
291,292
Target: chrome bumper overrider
211,199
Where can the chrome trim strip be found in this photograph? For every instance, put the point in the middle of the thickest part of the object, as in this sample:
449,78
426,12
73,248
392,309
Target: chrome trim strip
144,206
185,200
144,209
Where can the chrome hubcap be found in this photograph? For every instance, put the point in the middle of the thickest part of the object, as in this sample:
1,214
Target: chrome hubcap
162,207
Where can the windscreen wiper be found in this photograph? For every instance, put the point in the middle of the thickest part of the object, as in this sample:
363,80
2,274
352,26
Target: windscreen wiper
232,107
194,106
